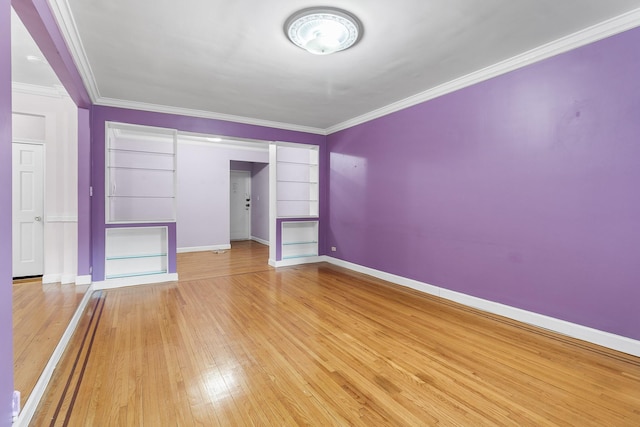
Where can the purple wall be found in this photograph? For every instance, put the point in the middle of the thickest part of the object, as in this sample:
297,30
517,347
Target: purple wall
84,201
203,192
100,114
6,328
522,189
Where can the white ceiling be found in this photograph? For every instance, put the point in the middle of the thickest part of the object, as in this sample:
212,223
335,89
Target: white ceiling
35,71
222,57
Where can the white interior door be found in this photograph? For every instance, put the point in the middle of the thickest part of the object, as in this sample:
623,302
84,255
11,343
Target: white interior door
240,202
28,210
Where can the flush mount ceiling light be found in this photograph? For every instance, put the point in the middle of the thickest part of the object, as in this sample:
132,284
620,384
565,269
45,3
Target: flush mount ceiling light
323,30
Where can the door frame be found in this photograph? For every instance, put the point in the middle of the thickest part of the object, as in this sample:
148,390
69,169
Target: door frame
245,174
44,191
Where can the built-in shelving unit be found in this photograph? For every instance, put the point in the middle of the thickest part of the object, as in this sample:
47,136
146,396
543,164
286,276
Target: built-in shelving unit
299,239
141,176
140,204
136,251
297,181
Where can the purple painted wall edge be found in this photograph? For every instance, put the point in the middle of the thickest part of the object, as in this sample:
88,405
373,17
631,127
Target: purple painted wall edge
84,184
6,325
522,189
39,20
100,115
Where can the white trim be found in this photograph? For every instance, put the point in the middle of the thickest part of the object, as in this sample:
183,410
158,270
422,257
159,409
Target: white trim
259,146
584,333
204,248
122,282
51,278
69,29
296,261
83,280
259,240
27,140
68,218
616,25
56,91
29,408
67,279
143,106
580,38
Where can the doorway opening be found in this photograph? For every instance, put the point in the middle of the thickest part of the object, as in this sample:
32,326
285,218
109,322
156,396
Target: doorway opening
240,205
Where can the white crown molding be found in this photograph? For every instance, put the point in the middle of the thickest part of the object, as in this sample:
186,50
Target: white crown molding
583,37
616,25
143,106
69,29
56,91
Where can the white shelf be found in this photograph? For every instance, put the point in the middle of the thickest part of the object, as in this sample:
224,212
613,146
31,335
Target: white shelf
136,251
140,184
299,239
297,181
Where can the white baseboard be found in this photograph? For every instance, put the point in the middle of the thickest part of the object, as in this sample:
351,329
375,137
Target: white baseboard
296,261
29,408
259,240
66,279
585,333
51,278
83,280
204,248
122,282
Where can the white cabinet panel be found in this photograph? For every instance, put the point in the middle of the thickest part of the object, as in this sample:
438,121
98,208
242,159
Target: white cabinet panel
136,251
299,239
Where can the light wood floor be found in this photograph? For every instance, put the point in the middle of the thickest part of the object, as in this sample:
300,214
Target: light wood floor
319,345
41,314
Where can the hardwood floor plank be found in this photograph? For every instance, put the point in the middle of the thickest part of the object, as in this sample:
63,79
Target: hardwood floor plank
240,343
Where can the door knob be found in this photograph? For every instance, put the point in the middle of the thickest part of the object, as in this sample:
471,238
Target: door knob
38,218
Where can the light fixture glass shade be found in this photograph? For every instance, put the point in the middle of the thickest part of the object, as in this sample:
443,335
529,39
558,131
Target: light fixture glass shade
322,31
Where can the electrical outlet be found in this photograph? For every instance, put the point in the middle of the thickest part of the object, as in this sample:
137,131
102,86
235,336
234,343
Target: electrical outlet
333,249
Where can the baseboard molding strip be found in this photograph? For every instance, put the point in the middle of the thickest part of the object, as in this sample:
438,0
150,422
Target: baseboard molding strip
30,406
51,278
259,240
83,280
122,282
296,261
204,248
584,333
